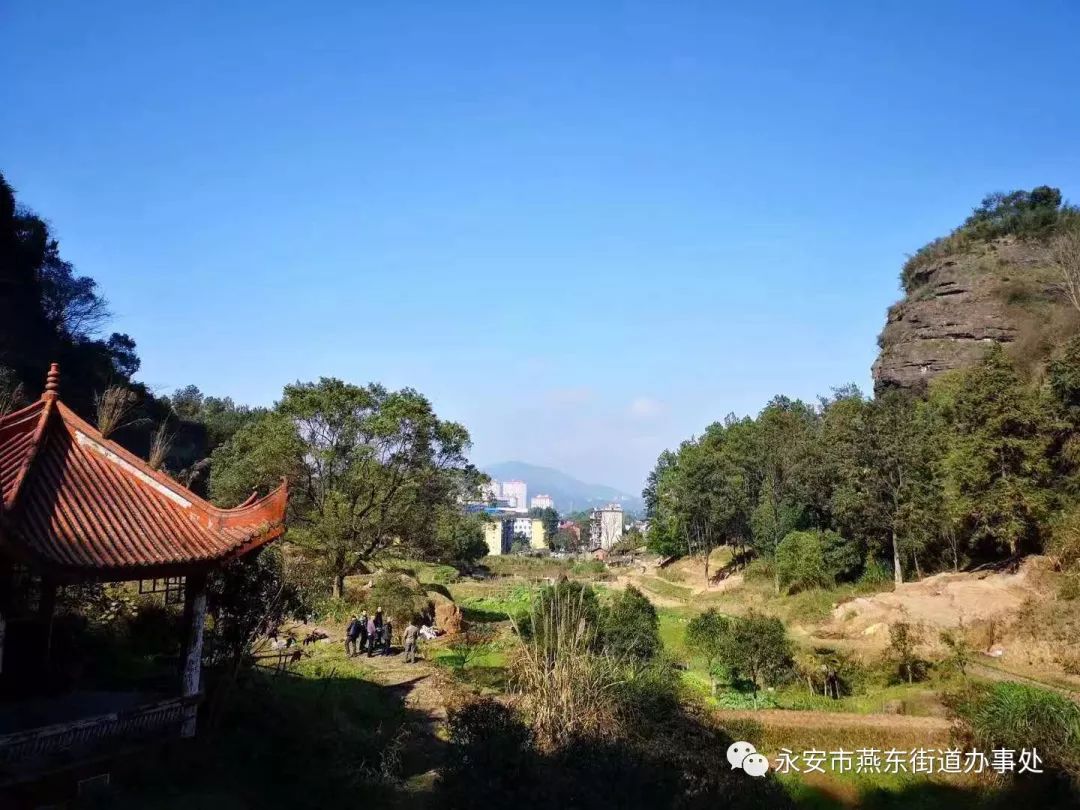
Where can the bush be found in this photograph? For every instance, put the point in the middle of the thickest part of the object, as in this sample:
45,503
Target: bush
490,761
760,570
1026,214
1016,716
800,562
843,557
399,598
874,573
631,627
904,637
589,568
755,648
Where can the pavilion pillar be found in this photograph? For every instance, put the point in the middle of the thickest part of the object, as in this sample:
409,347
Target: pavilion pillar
5,605
46,609
191,676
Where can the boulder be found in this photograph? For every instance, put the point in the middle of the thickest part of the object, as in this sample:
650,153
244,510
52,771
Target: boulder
448,616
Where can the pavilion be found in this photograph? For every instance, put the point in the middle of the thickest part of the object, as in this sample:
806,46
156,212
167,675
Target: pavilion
78,508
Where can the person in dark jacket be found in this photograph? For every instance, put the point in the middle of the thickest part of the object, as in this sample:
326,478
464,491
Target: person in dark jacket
362,645
373,636
387,636
352,633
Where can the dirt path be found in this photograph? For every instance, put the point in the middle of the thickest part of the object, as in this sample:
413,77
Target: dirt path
839,721
419,683
992,673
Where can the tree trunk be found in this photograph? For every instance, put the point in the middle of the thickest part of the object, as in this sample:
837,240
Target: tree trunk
898,572
707,555
339,586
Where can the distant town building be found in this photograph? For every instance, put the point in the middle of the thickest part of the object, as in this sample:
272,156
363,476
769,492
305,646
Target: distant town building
606,526
516,493
572,528
501,531
541,502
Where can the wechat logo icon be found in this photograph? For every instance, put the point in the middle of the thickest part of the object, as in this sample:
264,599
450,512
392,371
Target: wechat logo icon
743,755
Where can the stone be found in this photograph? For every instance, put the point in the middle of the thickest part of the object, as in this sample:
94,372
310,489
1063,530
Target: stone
991,292
448,618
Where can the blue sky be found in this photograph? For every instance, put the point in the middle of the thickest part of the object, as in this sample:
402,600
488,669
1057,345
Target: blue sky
586,230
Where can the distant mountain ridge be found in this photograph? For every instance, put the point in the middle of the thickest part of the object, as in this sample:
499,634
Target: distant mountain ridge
569,494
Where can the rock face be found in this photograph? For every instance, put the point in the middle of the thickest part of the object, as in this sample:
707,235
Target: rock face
447,614
992,292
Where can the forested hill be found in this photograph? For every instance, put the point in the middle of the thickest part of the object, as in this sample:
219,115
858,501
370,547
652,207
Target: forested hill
996,278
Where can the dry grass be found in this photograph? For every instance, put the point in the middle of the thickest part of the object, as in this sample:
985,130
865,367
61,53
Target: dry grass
1064,255
160,445
11,399
114,405
567,689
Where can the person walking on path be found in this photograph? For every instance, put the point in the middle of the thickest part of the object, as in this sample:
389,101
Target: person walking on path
352,632
411,634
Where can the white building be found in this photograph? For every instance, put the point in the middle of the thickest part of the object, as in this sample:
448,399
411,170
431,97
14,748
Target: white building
541,502
523,527
606,526
517,494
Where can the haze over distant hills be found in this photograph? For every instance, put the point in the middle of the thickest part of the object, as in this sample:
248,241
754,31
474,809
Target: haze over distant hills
569,494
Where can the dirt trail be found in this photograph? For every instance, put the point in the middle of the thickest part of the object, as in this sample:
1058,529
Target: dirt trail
791,718
419,683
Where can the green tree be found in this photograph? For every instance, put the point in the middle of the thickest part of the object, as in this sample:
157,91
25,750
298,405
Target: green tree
630,626
997,470
787,435
706,636
368,469
800,562
757,647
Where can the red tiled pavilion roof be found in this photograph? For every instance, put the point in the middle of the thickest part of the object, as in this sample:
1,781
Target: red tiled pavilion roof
78,503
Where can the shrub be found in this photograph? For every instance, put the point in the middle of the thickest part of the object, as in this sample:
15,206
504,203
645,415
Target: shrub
755,648
800,562
959,649
631,627
490,761
1025,214
874,573
1016,716
760,570
843,556
705,637
399,598
904,637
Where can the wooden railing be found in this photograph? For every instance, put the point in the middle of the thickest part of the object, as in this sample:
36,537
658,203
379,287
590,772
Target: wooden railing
26,753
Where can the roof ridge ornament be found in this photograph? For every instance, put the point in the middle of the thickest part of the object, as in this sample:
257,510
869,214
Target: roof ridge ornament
52,381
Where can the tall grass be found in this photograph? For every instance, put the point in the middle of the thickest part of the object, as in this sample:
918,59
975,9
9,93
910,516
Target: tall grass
1016,716
113,406
160,445
568,688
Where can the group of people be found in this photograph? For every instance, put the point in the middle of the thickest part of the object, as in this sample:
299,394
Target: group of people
374,634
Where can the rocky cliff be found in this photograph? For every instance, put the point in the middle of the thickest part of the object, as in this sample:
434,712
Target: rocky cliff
959,302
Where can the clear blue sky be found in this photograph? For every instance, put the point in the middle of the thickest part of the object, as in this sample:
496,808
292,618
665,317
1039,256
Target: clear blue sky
585,230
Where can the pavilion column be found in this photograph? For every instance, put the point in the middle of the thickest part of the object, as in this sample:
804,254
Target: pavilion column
46,609
5,606
191,677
